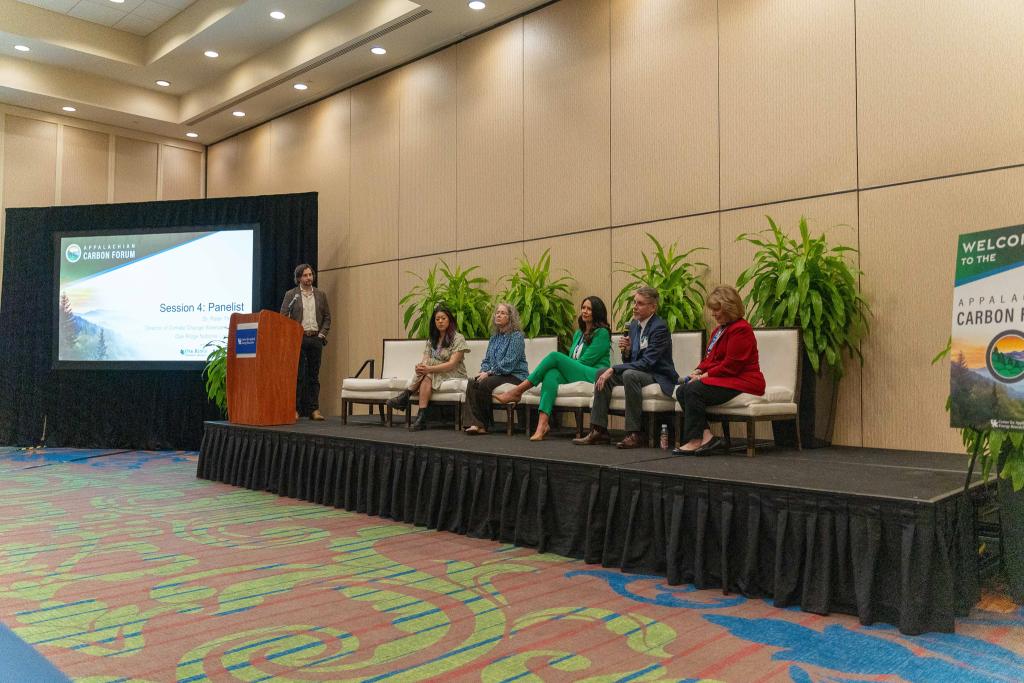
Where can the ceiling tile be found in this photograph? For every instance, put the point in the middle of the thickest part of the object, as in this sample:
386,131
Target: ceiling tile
177,4
61,6
155,11
140,26
94,12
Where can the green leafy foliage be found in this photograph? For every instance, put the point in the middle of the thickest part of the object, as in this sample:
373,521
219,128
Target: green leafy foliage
993,446
544,302
216,374
807,284
455,288
678,282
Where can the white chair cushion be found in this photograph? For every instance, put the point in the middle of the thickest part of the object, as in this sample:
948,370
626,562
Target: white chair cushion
368,395
754,409
385,384
401,357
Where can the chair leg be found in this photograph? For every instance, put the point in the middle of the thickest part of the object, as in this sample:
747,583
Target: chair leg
391,416
679,429
344,411
799,443
383,417
527,415
650,430
408,416
727,434
510,419
458,418
750,439
578,412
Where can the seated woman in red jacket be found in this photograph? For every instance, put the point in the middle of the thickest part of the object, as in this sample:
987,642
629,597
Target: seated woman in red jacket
729,368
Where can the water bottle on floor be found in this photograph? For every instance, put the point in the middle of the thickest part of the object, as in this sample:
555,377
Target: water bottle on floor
664,437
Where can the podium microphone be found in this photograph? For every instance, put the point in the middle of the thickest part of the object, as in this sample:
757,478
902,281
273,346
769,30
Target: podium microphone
294,299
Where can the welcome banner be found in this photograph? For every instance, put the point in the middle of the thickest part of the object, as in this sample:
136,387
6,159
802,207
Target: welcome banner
987,368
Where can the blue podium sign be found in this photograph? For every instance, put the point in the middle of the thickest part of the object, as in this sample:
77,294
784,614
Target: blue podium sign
245,340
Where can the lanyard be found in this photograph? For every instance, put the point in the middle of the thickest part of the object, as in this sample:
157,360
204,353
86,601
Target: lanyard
714,338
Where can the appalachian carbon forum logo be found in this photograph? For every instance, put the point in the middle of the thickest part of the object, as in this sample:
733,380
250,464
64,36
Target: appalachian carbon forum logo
1005,356
73,253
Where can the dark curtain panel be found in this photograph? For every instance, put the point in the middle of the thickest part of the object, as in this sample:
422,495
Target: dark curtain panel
122,408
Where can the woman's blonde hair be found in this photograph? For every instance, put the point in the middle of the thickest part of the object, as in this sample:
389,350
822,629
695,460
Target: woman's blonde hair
726,298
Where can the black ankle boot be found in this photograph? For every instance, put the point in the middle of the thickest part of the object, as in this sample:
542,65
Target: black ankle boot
420,423
400,402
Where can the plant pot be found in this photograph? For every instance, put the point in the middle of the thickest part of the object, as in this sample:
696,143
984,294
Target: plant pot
819,394
1011,515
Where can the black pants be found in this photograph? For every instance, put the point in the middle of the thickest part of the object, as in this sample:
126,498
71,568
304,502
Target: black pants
478,399
695,397
307,391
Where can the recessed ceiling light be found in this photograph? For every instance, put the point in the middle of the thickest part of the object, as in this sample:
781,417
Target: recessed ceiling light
378,50
277,15
191,135
239,114
163,84
69,108
476,4
22,48
212,54
300,86
117,2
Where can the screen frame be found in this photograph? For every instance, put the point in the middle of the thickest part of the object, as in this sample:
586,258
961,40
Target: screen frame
166,365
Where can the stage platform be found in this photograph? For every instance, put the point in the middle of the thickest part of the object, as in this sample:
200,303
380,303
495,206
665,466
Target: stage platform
885,535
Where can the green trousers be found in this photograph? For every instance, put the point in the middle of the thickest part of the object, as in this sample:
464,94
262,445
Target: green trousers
558,368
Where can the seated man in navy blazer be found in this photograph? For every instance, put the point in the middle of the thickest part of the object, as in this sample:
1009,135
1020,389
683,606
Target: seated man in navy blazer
646,359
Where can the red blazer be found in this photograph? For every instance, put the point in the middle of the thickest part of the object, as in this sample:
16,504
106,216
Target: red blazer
732,361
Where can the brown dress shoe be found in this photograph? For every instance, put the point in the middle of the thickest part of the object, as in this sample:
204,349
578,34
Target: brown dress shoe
595,436
317,415
632,440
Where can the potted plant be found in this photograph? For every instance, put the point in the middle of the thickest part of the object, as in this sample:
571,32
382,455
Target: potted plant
457,289
216,375
543,301
679,286
806,283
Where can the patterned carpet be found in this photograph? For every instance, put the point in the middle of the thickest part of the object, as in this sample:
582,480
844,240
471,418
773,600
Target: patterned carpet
121,566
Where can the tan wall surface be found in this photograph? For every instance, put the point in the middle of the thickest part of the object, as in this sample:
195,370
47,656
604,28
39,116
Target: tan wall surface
588,123
46,160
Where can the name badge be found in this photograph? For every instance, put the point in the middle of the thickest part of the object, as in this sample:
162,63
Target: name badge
643,343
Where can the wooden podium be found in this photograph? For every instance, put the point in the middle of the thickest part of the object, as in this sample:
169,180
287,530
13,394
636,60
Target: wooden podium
263,363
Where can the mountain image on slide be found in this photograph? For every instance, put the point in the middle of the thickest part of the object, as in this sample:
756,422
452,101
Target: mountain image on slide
81,340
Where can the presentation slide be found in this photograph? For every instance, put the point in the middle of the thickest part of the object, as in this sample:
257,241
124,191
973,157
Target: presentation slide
150,297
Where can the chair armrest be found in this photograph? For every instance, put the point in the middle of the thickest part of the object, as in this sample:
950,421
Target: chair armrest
369,361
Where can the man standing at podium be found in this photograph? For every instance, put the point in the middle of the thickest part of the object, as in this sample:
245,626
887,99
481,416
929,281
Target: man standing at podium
307,305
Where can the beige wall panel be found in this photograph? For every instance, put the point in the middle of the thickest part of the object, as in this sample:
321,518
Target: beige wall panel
221,165
939,87
490,137
586,257
788,99
293,142
908,243
85,165
183,173
664,85
30,162
427,156
370,302
492,263
375,172
329,128
135,170
409,273
630,244
252,164
334,365
566,118
837,217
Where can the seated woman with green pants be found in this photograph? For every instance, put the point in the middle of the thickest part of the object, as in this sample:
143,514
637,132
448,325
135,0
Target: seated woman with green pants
588,356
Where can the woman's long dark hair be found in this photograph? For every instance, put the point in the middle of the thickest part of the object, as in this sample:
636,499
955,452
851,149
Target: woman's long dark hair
449,334
599,318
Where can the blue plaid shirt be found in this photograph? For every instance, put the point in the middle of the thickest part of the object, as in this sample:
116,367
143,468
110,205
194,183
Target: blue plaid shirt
506,355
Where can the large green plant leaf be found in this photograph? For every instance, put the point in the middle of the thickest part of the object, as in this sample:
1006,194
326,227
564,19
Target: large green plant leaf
808,284
459,290
216,374
678,280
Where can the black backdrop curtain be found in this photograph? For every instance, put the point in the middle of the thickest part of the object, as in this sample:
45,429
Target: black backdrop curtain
113,408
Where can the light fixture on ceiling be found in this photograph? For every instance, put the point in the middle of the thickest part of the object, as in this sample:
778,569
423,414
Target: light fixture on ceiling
276,14
476,4
212,54
378,50
239,114
68,108
301,86
22,48
190,134
117,2
163,84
